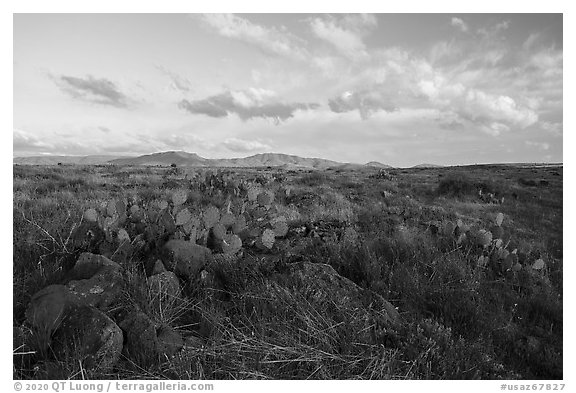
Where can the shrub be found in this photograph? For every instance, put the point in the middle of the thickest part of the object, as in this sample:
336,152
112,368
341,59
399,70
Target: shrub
456,185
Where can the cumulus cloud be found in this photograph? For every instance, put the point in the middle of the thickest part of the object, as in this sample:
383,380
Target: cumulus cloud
268,39
247,104
345,33
459,24
480,105
366,102
90,89
244,146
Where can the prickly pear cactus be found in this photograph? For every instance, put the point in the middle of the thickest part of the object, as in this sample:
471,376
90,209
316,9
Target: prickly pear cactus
210,217
499,219
448,228
240,225
279,226
179,197
123,236
227,219
219,231
91,215
266,241
484,238
538,264
231,244
482,261
253,192
183,217
265,198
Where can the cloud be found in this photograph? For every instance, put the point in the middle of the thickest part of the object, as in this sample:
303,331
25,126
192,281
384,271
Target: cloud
552,127
105,130
243,146
538,145
268,39
24,142
345,33
177,82
247,104
480,105
99,91
491,32
459,24
366,102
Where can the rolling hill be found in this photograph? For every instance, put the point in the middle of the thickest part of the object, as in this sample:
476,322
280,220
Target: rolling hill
68,160
185,159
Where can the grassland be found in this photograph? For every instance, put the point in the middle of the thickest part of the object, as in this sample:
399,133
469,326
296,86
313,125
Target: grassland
461,320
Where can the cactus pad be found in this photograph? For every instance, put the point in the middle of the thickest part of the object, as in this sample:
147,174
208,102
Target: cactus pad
184,216
111,208
482,261
265,198
179,197
91,215
538,264
279,226
484,238
231,244
219,231
123,235
239,225
266,241
227,219
210,217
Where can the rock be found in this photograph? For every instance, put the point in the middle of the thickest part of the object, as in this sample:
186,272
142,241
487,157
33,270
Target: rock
169,342
146,341
373,318
141,340
89,334
101,290
193,342
48,307
186,259
158,267
164,290
89,264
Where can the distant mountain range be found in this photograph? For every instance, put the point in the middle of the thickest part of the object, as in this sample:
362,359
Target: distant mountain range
68,160
184,159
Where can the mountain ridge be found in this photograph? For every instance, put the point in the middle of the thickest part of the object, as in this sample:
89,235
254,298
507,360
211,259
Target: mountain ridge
186,159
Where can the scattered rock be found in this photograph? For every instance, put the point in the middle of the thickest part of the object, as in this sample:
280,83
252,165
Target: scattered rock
186,259
89,264
101,290
146,341
331,294
140,333
89,334
158,267
193,342
169,342
48,307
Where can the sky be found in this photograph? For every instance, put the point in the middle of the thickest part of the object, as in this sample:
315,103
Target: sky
401,89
